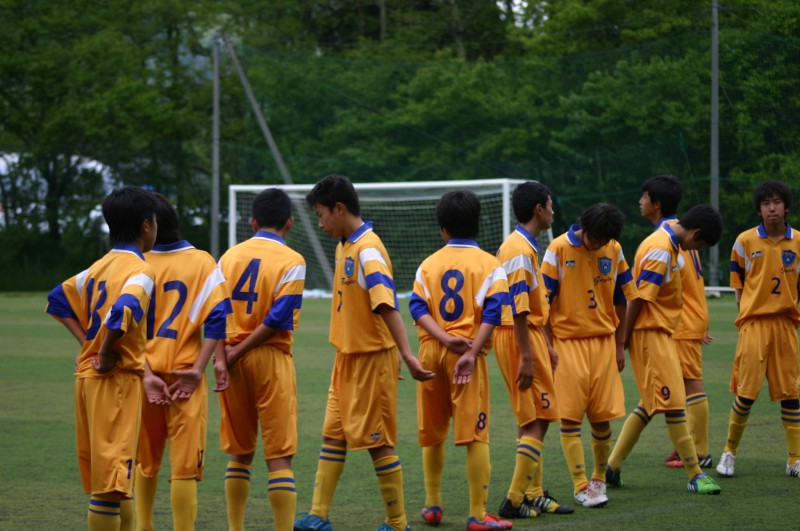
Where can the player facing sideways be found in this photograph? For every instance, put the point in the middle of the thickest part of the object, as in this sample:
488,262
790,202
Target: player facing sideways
458,298
266,279
187,315
765,262
105,308
659,204
524,354
367,331
650,321
588,283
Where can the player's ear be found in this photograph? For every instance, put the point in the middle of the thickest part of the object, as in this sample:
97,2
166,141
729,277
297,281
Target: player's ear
254,224
289,224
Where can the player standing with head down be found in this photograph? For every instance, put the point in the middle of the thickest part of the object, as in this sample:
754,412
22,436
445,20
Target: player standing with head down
765,262
105,308
367,331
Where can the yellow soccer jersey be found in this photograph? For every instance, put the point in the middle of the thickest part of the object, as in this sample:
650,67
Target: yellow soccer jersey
767,273
658,281
519,255
113,294
190,292
363,280
266,280
460,286
583,286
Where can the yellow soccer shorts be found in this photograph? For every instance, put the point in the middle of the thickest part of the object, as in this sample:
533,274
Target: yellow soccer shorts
263,389
588,380
657,371
362,399
439,400
767,346
183,424
538,401
108,413
690,355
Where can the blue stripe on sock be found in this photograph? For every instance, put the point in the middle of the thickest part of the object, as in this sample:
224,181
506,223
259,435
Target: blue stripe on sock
331,451
290,489
635,412
643,412
387,467
240,470
696,397
571,430
323,458
103,503
238,477
736,409
607,437
793,413
531,448
675,414
529,456
105,513
280,480
784,419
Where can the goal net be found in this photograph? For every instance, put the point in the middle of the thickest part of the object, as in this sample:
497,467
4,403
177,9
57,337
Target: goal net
403,215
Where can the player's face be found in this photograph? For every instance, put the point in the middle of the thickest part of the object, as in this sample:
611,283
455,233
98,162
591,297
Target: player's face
690,242
646,207
329,220
590,243
773,211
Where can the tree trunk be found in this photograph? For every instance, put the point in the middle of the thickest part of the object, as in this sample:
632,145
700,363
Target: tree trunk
458,31
383,18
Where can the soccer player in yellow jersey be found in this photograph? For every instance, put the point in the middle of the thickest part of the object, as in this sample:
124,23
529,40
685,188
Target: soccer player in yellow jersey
367,331
650,321
524,354
105,308
459,294
765,262
190,302
266,280
588,280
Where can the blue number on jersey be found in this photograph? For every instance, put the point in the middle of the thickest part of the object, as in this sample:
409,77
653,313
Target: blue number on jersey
452,294
94,317
173,285
250,276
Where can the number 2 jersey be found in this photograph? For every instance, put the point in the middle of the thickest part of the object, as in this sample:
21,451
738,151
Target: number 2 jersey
113,294
190,293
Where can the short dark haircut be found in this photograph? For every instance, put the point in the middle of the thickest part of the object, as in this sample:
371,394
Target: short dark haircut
769,189
272,208
169,223
525,198
602,222
333,189
705,218
666,191
124,210
459,211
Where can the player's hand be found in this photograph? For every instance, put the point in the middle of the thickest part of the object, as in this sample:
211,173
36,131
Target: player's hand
707,339
220,375
458,345
156,390
104,363
553,358
185,385
417,371
525,373
620,358
463,369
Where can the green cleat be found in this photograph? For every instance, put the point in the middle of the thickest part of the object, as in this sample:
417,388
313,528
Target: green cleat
703,484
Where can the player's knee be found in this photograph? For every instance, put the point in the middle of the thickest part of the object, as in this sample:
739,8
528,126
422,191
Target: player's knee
793,403
745,401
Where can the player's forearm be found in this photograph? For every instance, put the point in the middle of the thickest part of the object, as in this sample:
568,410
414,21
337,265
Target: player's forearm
621,311
483,335
521,336
429,324
74,328
394,322
631,315
206,350
258,337
107,346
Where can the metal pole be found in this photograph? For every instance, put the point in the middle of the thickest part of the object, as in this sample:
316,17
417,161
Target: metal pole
714,278
215,157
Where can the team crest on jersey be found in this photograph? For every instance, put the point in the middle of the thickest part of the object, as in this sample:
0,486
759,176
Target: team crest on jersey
788,257
570,263
349,266
604,265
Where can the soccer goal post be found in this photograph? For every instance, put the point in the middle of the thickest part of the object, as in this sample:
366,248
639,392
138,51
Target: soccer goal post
403,215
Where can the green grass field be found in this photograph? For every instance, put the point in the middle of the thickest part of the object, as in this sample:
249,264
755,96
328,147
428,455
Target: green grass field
40,488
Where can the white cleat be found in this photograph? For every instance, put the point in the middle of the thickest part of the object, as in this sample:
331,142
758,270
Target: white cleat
588,497
598,486
727,463
793,471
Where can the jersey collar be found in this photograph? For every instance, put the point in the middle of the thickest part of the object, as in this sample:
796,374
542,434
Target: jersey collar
462,242
674,239
528,236
762,232
359,232
664,220
572,238
267,235
173,247
127,248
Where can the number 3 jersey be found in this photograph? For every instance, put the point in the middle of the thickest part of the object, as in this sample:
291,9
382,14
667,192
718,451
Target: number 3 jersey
113,294
190,302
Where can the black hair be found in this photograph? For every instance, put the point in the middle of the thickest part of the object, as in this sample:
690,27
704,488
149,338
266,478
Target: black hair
169,224
124,210
602,222
333,189
666,191
769,189
272,208
525,198
459,211
705,218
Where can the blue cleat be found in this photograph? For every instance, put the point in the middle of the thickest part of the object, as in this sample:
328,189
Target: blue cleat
386,527
312,522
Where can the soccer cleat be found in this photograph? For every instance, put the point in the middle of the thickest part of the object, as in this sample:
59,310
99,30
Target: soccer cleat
598,486
726,464
489,523
507,510
432,515
613,477
703,484
705,462
673,460
547,504
312,522
386,527
793,471
588,497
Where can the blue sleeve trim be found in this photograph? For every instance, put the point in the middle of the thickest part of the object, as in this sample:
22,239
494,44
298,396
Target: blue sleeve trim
214,327
619,295
378,278
651,277
624,278
117,312
551,284
58,305
281,315
493,308
418,307
738,270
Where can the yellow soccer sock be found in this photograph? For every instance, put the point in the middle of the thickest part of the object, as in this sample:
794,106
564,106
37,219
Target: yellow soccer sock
529,450
331,464
183,497
678,430
237,489
791,424
145,496
572,448
390,481
432,466
601,449
479,473
127,515
283,498
535,489
697,411
634,426
104,513
737,422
